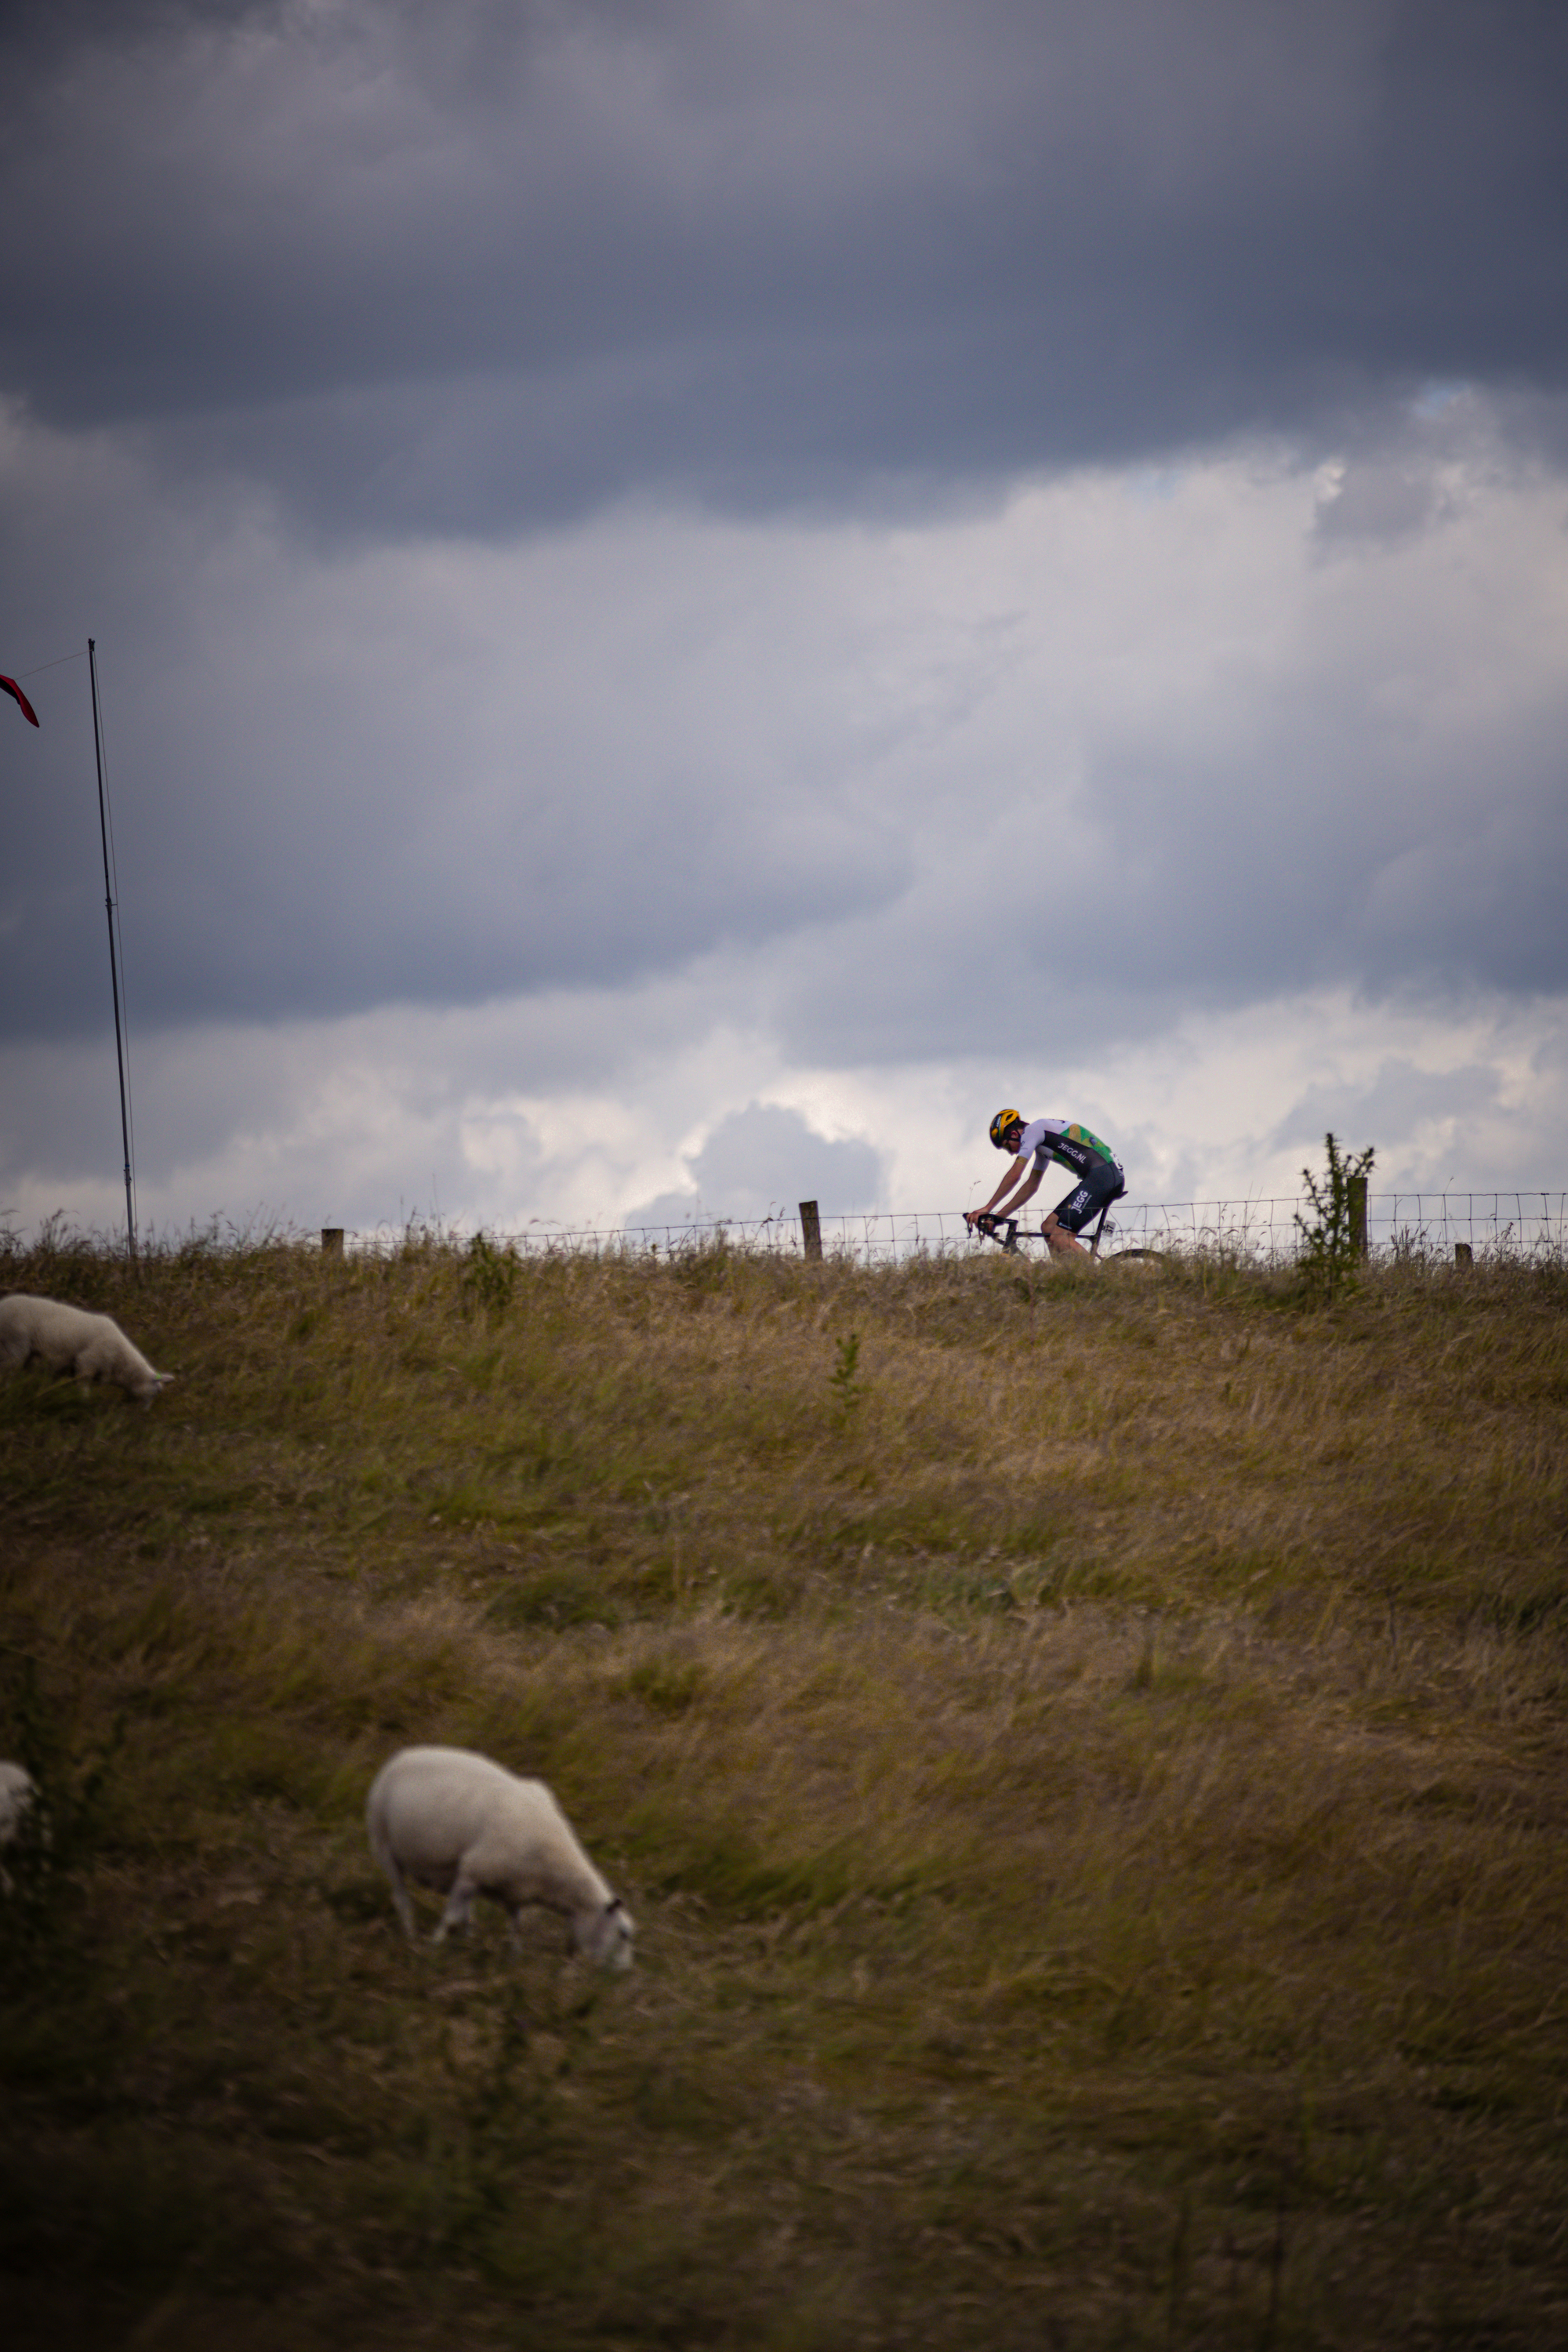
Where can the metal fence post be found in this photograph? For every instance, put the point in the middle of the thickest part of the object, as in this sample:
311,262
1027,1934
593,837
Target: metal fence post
811,1229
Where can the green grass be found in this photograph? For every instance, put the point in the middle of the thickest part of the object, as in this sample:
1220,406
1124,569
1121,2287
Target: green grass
1085,1754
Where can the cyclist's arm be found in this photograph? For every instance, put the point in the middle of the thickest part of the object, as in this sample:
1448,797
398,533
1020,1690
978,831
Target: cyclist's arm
1018,1198
992,1205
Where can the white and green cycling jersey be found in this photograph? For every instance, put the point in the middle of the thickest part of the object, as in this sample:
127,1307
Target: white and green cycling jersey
1067,1142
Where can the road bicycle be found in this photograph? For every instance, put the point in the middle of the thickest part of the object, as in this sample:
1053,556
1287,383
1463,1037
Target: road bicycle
1004,1233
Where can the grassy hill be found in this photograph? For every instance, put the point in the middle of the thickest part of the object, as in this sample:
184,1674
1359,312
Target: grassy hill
1086,1751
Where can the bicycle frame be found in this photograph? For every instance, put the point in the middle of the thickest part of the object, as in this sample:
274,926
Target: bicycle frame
1003,1231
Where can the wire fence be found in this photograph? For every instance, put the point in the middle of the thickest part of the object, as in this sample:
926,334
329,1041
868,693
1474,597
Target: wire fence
1516,1228
1398,1225
1416,1226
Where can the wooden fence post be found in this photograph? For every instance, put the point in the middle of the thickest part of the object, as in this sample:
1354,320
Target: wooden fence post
1463,1253
811,1229
1358,1214
331,1241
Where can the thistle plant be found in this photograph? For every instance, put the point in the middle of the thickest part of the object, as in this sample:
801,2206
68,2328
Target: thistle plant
1331,1243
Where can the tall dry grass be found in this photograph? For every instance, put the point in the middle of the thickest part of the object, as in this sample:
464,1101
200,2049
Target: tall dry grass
1084,1752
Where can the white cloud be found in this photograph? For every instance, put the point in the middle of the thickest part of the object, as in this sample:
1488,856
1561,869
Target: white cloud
365,1121
760,1163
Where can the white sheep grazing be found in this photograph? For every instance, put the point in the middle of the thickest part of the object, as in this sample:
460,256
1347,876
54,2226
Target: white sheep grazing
455,1821
69,1340
17,1791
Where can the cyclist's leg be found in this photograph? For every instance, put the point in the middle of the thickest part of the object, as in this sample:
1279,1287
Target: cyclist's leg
1069,1218
1060,1228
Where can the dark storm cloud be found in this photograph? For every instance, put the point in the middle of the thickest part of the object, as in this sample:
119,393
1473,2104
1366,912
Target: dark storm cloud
470,267
1386,809
1190,893
269,869
480,269
1393,1103
1100,786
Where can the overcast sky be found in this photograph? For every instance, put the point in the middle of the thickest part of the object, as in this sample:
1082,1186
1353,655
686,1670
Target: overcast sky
691,595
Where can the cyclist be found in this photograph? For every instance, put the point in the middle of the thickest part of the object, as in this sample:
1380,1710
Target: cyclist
1099,1172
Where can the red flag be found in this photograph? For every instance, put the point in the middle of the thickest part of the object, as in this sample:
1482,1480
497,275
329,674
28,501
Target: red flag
29,713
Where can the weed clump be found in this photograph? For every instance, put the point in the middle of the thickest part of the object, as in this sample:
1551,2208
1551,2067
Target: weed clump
847,1391
489,1276
1333,1240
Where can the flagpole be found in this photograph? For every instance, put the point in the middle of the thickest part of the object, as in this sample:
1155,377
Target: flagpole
113,966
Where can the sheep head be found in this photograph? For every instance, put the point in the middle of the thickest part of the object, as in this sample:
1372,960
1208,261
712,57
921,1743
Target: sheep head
604,1934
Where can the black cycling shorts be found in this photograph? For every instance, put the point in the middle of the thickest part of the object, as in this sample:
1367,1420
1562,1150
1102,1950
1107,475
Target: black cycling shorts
1102,1185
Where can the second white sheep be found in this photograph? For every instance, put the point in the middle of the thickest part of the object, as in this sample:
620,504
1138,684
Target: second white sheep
17,1791
453,1820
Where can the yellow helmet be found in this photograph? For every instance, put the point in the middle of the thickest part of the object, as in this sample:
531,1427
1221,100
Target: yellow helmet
1002,1127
